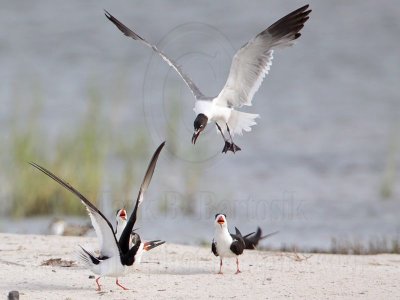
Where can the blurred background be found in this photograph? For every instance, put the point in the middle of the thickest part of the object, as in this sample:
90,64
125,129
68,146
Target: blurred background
321,166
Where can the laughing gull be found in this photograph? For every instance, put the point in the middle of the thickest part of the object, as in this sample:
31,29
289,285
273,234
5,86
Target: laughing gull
249,66
226,244
115,255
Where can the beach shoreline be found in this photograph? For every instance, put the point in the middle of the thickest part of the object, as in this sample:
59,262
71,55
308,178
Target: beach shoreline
188,272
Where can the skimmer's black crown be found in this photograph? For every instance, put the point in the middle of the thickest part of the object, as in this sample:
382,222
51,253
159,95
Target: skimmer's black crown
218,215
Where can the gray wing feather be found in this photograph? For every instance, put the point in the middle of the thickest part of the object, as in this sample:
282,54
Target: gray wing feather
252,62
130,33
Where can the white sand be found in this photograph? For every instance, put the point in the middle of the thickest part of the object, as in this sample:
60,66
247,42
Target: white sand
183,272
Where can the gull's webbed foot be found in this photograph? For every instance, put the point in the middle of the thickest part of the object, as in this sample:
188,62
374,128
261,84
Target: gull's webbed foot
227,147
234,148
230,147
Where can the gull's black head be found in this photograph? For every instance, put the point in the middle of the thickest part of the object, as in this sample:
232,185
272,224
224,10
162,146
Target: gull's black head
199,124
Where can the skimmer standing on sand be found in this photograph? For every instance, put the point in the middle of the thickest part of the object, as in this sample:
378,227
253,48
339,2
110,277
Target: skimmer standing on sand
115,255
226,244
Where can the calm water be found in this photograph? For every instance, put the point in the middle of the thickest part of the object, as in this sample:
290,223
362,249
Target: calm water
330,109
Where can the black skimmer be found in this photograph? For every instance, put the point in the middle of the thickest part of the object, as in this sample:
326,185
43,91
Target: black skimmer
121,221
249,66
226,244
115,255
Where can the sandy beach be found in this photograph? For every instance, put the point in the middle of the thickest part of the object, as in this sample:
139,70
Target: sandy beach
187,272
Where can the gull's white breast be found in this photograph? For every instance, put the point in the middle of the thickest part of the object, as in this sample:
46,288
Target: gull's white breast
213,111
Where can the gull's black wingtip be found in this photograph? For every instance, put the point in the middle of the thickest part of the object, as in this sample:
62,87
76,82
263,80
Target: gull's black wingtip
109,16
304,7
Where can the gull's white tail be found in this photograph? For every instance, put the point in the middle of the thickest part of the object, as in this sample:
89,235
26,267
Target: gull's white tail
239,122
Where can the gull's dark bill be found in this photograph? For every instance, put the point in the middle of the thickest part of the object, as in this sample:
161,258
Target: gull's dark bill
195,136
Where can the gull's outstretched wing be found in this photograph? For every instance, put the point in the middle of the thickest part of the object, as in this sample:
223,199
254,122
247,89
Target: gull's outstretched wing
125,236
252,62
104,230
130,33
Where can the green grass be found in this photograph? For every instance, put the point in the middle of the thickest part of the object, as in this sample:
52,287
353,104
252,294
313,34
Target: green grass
93,155
78,154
